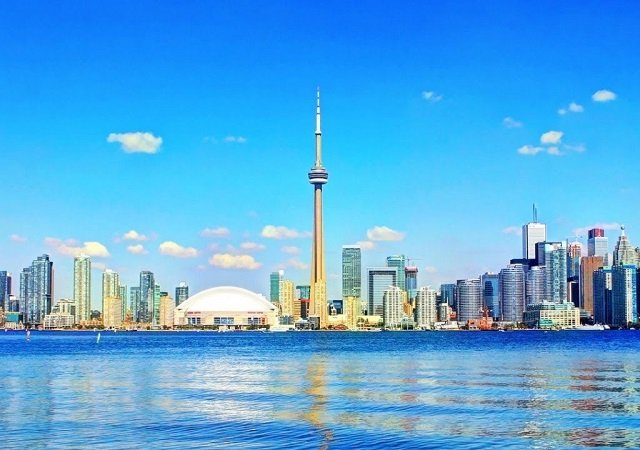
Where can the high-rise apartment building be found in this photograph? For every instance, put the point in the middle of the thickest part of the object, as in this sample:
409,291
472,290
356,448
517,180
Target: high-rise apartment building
532,233
182,292
393,300
155,318
449,295
82,287
5,290
275,280
110,288
624,307
553,255
469,300
400,263
411,281
535,286
134,301
574,253
602,295
351,271
167,307
425,310
147,288
624,253
588,265
287,299
512,292
36,289
379,279
112,312
124,291
491,294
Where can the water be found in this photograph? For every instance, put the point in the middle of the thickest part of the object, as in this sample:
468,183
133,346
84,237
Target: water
320,390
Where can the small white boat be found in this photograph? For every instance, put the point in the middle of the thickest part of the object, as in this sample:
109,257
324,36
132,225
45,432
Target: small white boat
596,327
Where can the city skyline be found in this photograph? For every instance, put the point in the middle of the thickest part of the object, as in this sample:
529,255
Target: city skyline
203,181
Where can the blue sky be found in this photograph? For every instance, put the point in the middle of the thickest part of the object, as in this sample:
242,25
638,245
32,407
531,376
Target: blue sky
414,95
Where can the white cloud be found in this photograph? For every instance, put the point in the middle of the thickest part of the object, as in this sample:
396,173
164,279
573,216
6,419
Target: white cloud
137,142
171,248
228,261
579,148
366,245
555,151
530,150
137,249
215,232
516,231
290,250
18,238
72,248
431,96
282,232
562,111
551,137
574,107
603,95
583,231
133,235
382,233
236,139
252,246
297,264
510,122
430,269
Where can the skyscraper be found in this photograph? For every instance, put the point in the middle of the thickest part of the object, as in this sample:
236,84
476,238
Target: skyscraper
147,286
411,281
588,265
425,310
602,293
82,287
535,286
532,233
393,300
491,294
318,177
110,290
125,300
379,279
155,316
449,295
469,300
624,253
351,271
512,292
37,289
275,280
574,253
598,245
5,290
624,308
400,263
182,292
134,298
287,299
553,255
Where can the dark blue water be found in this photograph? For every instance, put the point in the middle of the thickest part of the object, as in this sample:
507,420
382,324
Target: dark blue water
320,390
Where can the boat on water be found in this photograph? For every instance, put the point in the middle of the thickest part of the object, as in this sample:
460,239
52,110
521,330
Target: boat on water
282,328
596,327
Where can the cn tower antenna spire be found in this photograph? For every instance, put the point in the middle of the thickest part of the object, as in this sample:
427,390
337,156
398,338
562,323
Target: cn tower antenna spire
318,131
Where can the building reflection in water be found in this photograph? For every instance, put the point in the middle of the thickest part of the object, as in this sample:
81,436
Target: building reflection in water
316,378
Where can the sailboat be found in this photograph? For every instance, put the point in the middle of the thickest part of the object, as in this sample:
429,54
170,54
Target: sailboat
98,338
28,335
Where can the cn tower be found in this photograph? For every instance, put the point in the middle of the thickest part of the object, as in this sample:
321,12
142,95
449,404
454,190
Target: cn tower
318,176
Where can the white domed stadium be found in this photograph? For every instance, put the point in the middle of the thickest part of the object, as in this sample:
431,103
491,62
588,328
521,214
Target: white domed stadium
226,306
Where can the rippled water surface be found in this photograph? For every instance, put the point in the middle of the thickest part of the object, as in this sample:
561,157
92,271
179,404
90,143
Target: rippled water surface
320,390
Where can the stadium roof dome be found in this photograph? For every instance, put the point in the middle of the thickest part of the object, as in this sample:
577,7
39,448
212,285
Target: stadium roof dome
226,299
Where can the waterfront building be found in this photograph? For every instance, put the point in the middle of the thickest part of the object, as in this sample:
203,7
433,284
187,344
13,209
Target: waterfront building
82,287
400,263
167,306
155,318
227,306
469,300
123,294
624,253
287,299
62,315
352,310
36,289
393,300
512,292
318,177
110,287
411,281
535,285
602,295
134,299
449,295
598,245
573,291
379,279
444,312
425,310
5,290
182,292
491,294
532,233
553,255
552,315
147,287
275,280
588,265
351,271
112,312
574,253
624,308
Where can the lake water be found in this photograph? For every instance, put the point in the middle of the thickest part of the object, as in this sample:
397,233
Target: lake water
320,390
